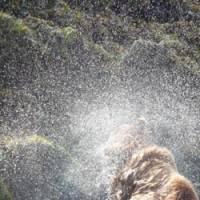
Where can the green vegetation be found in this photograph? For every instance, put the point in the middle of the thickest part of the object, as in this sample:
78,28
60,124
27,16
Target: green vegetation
66,8
146,9
4,192
71,35
2,156
19,27
195,7
100,51
13,25
79,15
21,7
6,92
12,143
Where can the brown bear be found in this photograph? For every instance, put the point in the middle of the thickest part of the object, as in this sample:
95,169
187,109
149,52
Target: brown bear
150,173
126,139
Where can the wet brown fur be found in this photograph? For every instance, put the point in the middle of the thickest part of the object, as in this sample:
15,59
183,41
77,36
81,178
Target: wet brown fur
151,174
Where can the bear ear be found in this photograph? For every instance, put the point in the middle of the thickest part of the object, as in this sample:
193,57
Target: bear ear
140,124
181,189
140,121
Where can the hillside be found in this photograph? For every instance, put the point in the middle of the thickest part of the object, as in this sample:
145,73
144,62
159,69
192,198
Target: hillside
71,71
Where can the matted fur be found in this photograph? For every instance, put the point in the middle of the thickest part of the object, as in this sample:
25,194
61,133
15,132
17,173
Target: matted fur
151,174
